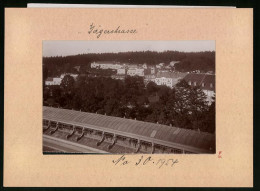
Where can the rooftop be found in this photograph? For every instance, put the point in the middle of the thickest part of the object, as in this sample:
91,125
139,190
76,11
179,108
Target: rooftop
49,79
200,79
190,140
171,75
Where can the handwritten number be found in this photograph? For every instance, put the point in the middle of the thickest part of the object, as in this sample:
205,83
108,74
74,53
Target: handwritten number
173,162
139,161
162,162
147,160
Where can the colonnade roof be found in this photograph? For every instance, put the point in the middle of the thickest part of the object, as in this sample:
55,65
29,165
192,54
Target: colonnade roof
134,128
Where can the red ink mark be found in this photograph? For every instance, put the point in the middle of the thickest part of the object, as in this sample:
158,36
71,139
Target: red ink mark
219,154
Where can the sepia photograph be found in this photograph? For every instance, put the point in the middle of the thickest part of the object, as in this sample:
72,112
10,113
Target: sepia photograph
129,97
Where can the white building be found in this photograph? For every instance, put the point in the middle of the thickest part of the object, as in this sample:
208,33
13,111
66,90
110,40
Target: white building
53,81
94,65
139,71
49,82
164,81
135,72
132,66
105,65
144,66
57,80
152,70
165,78
72,75
121,71
172,63
116,66
131,72
149,78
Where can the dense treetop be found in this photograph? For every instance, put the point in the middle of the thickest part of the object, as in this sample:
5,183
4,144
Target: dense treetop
182,106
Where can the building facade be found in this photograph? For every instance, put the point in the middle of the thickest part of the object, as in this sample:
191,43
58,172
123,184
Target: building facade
206,82
135,72
106,65
121,71
53,81
169,79
57,80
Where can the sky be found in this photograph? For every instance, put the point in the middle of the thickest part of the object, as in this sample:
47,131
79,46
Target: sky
65,48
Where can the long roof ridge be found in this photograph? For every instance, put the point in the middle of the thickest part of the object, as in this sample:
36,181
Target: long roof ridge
129,126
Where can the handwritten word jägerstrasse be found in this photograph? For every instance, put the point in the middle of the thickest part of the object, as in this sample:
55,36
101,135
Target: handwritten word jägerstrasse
144,161
98,30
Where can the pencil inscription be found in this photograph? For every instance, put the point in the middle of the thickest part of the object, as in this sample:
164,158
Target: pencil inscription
98,30
142,161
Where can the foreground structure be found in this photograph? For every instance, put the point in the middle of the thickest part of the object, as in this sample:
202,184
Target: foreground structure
77,131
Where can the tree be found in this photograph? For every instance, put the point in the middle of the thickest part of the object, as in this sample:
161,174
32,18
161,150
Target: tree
152,87
67,84
198,107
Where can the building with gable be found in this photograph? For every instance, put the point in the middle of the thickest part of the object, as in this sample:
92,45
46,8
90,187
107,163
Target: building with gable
204,81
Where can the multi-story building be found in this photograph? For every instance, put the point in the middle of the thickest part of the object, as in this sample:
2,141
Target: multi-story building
139,71
121,71
131,72
116,66
118,77
106,65
132,66
204,81
135,72
152,70
49,81
149,78
169,79
53,81
94,65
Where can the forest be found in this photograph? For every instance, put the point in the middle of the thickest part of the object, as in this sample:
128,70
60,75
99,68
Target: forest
182,106
189,61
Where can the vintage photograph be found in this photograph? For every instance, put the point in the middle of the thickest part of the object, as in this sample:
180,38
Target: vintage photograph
119,97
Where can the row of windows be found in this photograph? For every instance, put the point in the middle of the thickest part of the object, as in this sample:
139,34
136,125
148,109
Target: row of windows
203,84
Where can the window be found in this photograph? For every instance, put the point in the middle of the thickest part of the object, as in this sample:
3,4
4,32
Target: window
190,83
194,83
211,85
203,85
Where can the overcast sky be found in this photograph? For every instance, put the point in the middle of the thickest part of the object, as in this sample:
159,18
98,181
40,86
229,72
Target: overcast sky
65,48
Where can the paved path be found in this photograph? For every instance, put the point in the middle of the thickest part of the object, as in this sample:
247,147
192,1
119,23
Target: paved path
67,146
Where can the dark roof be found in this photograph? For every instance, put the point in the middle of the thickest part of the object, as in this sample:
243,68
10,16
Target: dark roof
188,140
201,79
150,76
106,62
49,79
171,75
209,79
